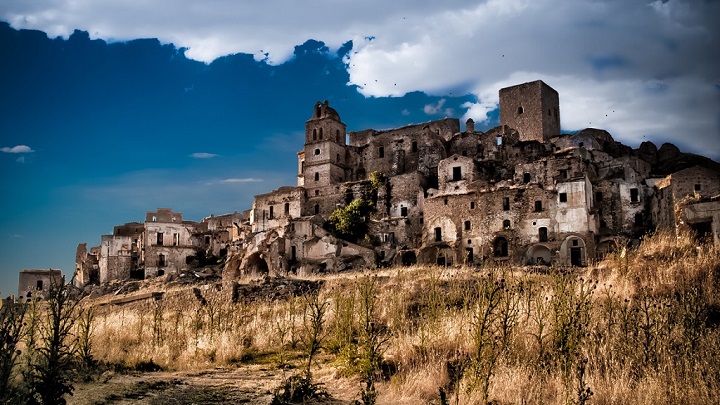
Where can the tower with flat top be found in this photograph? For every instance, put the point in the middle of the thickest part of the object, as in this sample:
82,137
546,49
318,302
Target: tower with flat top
533,109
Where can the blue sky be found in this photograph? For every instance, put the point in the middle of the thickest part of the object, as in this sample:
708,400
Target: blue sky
99,124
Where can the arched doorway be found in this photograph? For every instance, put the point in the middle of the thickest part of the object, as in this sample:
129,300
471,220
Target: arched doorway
500,247
409,258
539,254
573,251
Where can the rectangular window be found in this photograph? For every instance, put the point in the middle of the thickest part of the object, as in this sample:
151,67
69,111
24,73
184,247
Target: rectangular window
506,204
697,187
638,219
563,197
159,238
598,196
287,209
293,253
176,239
403,211
207,240
39,285
472,205
563,174
467,225
457,173
634,196
438,234
538,206
272,212
161,260
414,146
526,177
381,152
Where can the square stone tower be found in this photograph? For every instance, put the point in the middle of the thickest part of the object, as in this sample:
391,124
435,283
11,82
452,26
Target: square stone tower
532,108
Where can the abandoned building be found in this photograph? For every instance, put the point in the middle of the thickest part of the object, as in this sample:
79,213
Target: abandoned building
37,283
520,193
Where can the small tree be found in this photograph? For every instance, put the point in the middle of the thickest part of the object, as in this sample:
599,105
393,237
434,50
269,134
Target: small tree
350,222
11,332
50,372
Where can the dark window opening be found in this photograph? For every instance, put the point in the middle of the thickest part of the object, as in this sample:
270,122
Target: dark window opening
574,242
549,112
457,173
403,211
317,111
161,260
500,247
176,239
317,209
414,146
467,225
697,187
598,196
302,167
317,192
472,205
381,151
563,173
438,234
317,176
634,196
638,219
543,234
321,133
603,224
272,212
207,239
39,285
464,153
161,273
293,253
159,238
317,152
538,206
563,197
581,144
506,204
337,157
337,135
526,177
506,224
446,201
520,110
314,134
287,208
469,255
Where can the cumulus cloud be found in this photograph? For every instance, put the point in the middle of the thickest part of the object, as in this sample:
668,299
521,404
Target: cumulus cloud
18,149
651,62
432,109
203,155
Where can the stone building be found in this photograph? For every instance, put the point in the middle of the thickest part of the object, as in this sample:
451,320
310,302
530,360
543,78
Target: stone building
520,193
37,283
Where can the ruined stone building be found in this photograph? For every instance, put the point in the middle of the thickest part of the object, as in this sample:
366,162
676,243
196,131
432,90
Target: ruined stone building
37,282
520,193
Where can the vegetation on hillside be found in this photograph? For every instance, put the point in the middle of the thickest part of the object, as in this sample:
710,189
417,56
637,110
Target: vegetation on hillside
640,327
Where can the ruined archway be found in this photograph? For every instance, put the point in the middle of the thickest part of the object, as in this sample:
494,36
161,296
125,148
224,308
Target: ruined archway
539,254
409,258
256,265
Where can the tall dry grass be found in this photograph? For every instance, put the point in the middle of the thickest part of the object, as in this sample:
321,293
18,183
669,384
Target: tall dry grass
639,327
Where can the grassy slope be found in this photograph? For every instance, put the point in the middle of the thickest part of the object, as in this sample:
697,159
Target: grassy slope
640,327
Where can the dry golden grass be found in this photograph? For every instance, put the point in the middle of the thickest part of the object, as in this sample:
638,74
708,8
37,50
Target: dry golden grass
639,327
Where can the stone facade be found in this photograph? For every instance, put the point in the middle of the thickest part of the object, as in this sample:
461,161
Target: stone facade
520,193
37,283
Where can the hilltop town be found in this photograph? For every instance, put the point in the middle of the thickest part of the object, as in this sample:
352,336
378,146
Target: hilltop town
521,193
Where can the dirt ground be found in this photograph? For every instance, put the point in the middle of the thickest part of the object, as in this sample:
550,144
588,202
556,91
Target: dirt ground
252,384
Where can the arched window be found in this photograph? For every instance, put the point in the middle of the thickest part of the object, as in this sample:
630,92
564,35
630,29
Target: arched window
506,224
314,134
321,133
337,135
520,110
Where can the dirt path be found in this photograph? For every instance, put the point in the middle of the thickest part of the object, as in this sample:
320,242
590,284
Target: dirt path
247,385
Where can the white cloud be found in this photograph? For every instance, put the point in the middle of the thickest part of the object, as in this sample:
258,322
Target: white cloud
203,155
18,149
598,54
240,180
432,109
